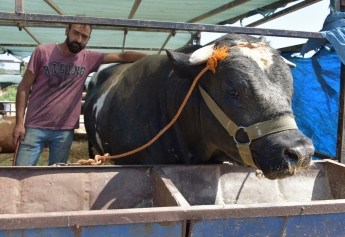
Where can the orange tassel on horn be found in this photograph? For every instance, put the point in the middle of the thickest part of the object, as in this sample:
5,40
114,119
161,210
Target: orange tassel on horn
218,54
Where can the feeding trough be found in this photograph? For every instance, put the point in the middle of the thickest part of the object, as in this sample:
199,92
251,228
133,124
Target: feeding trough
209,200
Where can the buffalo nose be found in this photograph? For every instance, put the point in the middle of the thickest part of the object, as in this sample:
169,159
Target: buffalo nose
300,154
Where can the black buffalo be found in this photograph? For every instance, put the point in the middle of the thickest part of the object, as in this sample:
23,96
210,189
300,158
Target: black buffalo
128,104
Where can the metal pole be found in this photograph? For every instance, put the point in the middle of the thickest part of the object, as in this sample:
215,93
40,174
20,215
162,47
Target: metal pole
196,38
341,123
6,16
20,7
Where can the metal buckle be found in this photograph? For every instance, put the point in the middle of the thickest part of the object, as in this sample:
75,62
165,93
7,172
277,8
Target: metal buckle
241,127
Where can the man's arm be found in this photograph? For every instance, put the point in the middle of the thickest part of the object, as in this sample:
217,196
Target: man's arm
124,57
22,96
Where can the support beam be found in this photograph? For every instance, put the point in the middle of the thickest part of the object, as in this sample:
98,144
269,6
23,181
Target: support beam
158,25
55,7
87,47
215,11
274,5
20,9
3,49
196,38
283,12
218,10
20,27
124,39
130,16
51,4
7,51
134,9
32,35
98,27
165,43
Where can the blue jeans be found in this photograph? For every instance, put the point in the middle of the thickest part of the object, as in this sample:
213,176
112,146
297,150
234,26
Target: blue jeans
31,147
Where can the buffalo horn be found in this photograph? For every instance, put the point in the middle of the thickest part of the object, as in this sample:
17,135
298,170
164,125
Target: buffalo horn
201,55
290,64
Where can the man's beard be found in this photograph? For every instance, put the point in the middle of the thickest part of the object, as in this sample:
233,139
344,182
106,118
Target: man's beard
74,46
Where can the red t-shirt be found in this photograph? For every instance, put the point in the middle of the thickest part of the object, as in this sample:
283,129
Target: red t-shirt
56,93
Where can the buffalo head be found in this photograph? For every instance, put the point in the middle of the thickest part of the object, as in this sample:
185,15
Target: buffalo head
251,86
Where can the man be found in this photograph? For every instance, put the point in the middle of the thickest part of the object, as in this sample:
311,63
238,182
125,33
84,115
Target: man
55,76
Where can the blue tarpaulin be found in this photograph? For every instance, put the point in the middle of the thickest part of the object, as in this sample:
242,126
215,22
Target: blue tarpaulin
316,97
317,83
333,31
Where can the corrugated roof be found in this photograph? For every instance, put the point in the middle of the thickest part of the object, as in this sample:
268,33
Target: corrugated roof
44,21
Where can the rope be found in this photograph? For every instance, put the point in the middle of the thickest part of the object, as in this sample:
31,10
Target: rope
218,54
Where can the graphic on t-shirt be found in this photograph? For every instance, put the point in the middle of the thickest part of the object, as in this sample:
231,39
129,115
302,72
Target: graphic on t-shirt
60,75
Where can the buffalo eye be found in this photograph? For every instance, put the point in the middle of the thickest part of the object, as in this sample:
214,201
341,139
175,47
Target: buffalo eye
233,93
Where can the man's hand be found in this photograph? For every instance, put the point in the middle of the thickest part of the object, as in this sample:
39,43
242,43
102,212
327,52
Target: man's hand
18,133
22,96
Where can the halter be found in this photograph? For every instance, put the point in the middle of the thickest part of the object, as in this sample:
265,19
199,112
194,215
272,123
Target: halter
253,132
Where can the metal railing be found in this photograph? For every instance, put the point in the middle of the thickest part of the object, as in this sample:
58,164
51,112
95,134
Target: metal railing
8,108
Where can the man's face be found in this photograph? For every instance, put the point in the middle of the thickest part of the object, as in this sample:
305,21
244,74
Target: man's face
77,37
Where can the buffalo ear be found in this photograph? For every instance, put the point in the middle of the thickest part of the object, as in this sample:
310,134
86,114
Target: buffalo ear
181,65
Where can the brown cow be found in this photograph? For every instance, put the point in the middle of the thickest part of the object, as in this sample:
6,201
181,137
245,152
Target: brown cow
7,124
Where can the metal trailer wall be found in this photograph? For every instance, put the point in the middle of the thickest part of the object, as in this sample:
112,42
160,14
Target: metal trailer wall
218,200
165,200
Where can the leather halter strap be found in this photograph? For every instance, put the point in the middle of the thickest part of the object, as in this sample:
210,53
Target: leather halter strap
254,131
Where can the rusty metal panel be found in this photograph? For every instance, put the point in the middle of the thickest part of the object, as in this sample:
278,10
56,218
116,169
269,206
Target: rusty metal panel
336,177
164,191
167,214
308,204
227,184
73,189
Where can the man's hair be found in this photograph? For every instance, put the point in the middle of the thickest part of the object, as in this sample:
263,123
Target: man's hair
70,26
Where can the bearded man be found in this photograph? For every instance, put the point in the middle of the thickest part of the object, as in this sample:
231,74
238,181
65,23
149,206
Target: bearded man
55,76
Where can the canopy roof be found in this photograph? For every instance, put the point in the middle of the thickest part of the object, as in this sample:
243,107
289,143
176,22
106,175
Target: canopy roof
148,26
